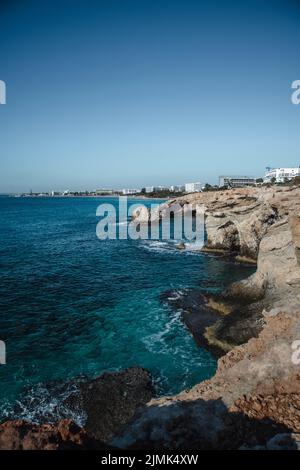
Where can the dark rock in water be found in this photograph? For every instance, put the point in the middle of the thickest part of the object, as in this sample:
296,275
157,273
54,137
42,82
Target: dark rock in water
108,402
180,246
195,314
216,333
111,400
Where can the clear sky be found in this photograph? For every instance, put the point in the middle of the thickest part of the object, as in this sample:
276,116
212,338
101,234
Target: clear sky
129,93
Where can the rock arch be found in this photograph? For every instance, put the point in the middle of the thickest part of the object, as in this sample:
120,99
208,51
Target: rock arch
228,236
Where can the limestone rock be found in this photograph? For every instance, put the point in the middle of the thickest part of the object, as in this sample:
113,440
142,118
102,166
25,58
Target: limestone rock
255,393
21,435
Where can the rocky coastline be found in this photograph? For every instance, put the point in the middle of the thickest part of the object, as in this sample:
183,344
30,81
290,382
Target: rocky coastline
253,401
108,403
254,395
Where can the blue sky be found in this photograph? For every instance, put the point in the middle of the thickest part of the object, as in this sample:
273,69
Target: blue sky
130,93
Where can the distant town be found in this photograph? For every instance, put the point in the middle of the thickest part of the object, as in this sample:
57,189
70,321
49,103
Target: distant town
271,176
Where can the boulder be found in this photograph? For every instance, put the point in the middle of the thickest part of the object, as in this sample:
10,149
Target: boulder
111,400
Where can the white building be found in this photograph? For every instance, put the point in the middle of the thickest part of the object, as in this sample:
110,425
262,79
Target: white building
177,188
281,174
192,187
149,189
104,191
235,181
128,191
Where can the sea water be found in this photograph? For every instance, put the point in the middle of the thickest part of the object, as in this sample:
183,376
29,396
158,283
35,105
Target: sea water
73,306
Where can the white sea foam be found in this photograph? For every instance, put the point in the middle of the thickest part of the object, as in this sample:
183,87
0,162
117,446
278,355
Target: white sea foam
194,246
43,403
117,224
169,247
157,246
159,339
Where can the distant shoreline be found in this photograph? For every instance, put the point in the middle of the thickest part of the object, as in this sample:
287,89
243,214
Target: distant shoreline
87,197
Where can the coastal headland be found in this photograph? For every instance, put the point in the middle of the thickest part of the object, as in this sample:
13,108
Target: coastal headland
253,326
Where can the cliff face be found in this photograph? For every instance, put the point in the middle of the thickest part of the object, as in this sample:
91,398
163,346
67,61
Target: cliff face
276,282
254,395
254,398
260,225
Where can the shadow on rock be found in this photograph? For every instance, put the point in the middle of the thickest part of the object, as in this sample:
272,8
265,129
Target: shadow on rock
202,425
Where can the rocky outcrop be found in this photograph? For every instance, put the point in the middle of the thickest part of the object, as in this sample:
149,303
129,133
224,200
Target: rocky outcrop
65,435
108,402
254,395
276,282
195,314
253,401
256,224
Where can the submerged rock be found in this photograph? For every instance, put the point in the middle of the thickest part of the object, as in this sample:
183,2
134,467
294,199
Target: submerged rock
195,313
180,246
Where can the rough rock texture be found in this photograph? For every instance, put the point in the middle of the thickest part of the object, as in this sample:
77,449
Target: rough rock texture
258,225
261,224
65,435
253,401
195,313
254,395
110,401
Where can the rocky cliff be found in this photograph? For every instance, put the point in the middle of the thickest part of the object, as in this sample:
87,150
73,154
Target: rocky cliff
253,401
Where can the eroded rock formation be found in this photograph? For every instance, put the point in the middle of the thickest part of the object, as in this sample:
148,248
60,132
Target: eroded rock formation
253,401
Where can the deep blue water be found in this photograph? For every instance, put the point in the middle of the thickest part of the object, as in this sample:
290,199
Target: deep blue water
72,304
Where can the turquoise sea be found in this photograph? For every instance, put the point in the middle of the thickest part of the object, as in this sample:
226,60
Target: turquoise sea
73,305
